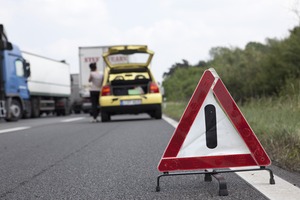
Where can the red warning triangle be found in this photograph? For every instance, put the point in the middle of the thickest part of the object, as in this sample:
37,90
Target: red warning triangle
212,133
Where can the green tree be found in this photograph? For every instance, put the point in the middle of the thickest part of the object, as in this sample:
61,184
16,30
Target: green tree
255,71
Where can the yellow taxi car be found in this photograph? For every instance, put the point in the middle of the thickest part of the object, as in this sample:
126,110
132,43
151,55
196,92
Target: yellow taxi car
128,85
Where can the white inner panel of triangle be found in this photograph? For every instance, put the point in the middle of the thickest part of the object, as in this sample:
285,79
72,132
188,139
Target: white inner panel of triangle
229,141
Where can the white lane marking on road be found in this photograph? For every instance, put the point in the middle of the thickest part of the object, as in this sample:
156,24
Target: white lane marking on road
14,129
281,190
260,180
72,119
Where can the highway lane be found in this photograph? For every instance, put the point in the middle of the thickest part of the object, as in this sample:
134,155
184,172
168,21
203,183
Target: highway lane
72,158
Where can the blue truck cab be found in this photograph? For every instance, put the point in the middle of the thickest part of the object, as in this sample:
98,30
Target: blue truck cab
14,72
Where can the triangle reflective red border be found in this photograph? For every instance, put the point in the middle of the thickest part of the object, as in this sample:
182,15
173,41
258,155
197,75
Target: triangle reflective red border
170,160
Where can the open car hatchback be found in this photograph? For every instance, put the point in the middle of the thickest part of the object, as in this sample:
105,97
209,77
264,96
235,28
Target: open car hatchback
129,86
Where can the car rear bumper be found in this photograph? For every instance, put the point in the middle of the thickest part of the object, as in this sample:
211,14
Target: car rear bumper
132,109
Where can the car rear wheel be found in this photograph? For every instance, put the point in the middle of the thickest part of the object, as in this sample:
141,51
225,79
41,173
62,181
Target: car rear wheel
158,113
105,117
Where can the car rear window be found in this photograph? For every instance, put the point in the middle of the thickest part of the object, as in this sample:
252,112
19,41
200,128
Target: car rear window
129,76
130,83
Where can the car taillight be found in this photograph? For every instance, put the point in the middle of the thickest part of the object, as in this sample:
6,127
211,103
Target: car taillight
105,90
154,88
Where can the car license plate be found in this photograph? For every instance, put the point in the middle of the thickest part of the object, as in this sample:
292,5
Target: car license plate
131,102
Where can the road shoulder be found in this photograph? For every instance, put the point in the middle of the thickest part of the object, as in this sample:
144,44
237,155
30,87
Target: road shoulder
286,183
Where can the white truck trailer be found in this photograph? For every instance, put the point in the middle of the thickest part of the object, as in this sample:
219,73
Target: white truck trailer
49,85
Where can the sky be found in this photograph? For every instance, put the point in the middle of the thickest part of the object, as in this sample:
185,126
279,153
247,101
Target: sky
173,29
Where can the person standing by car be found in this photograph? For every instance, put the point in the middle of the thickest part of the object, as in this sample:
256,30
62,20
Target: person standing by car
96,78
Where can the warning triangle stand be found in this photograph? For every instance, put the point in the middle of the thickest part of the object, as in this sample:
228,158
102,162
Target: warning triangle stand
212,135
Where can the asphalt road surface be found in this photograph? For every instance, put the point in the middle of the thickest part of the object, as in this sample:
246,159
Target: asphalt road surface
72,158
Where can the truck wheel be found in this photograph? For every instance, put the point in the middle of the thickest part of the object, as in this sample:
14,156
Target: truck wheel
67,109
35,106
28,112
62,107
105,117
77,111
15,111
